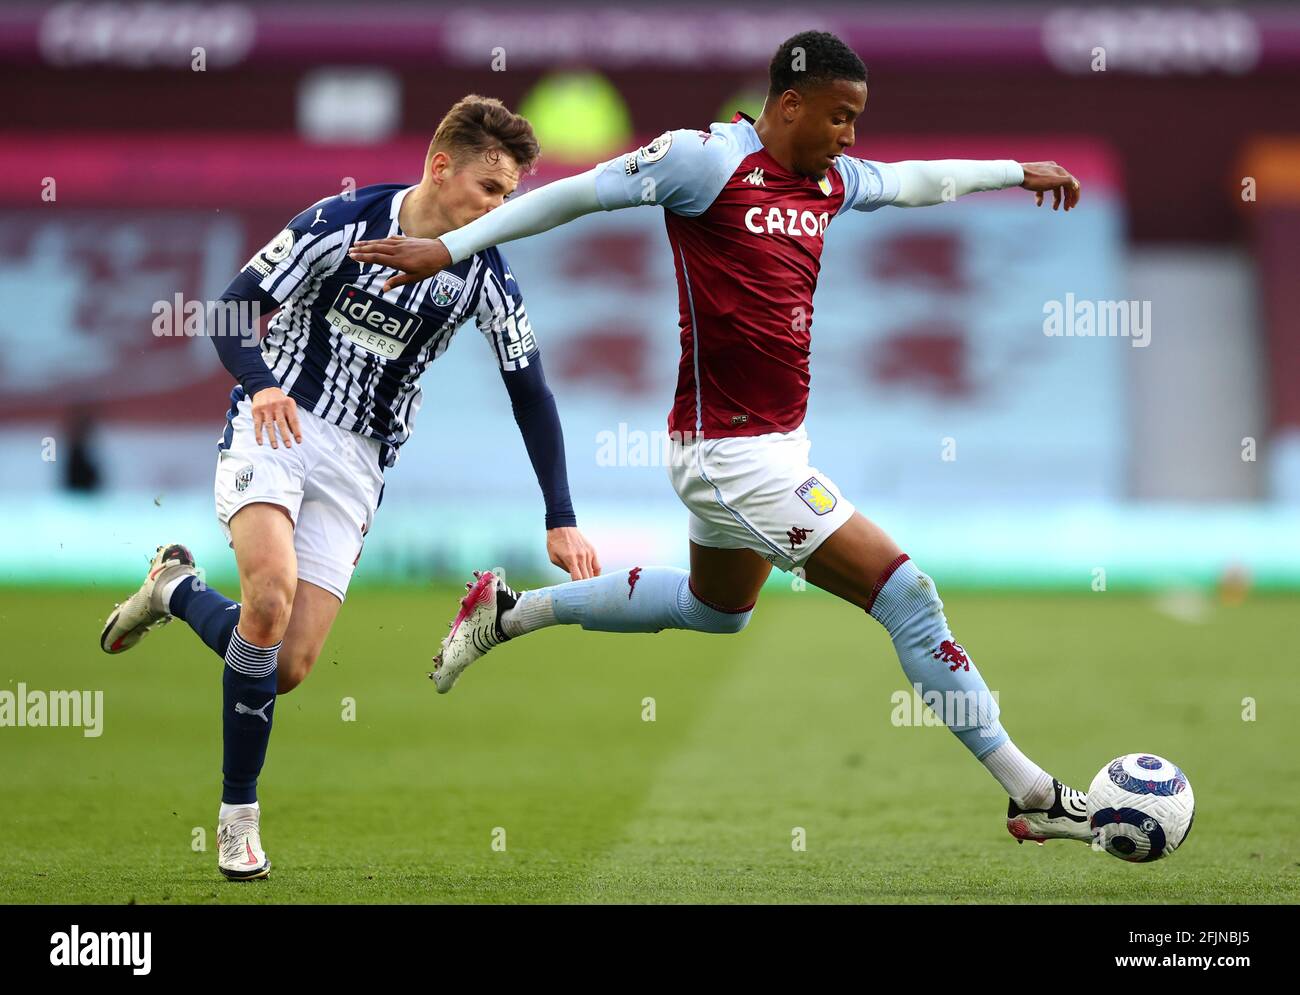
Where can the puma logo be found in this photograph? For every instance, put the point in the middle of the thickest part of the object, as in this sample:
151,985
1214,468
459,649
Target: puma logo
242,709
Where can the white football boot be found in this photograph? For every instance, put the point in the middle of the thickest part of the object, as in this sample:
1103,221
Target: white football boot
475,630
239,845
1065,819
144,611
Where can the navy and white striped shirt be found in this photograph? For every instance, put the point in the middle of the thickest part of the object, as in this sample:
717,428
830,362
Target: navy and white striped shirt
348,352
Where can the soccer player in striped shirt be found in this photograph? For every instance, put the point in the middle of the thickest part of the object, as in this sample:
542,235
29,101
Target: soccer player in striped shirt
746,205
321,409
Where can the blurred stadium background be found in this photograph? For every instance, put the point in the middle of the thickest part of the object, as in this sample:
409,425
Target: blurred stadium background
132,170
135,169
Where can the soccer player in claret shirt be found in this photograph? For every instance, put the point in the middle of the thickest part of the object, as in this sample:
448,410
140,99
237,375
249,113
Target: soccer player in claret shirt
746,205
321,409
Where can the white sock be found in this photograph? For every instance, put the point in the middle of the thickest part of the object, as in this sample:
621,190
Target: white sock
169,588
225,810
533,610
1028,784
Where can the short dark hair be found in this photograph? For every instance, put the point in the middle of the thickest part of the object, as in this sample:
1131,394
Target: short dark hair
478,125
810,59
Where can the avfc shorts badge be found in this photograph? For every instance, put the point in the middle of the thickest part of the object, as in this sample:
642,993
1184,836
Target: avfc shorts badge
816,496
446,288
243,479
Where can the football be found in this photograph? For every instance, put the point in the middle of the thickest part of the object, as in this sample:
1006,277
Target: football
1140,807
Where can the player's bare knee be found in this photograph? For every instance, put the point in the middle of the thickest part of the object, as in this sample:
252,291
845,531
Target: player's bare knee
267,605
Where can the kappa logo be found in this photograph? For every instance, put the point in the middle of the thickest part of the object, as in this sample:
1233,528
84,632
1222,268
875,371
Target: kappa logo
756,177
953,654
243,478
816,496
796,535
364,530
633,576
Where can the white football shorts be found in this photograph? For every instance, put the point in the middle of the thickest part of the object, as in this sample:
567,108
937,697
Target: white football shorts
330,484
757,492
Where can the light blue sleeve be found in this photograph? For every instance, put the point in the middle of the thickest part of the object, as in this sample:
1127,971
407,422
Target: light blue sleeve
867,184
683,171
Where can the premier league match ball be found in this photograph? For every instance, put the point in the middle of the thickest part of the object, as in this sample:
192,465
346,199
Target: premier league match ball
1140,807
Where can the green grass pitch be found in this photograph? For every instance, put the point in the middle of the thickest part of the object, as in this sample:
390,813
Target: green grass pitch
785,726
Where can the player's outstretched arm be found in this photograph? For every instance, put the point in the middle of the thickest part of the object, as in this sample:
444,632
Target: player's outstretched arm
681,171
530,214
924,182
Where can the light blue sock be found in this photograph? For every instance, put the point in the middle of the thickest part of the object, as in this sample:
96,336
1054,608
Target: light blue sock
643,599
908,606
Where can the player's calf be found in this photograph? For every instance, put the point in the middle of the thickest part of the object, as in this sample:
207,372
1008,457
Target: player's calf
294,664
262,536
290,673
642,599
907,604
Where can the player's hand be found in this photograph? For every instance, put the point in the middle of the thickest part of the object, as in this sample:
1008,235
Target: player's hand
1043,176
569,550
417,258
279,413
